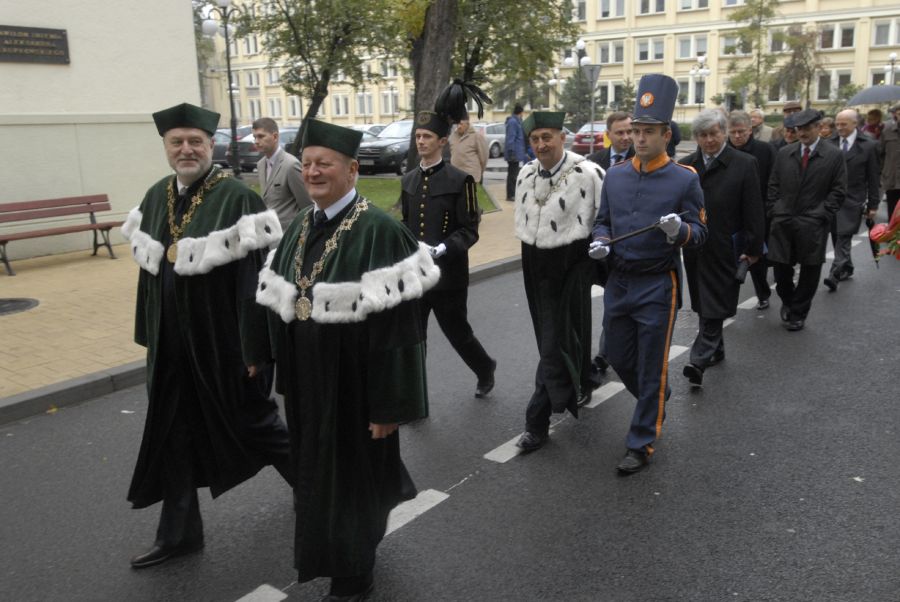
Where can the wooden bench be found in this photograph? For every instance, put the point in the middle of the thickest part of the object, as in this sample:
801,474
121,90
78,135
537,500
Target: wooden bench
32,210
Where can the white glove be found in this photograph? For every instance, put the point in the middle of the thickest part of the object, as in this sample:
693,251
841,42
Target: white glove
670,224
598,249
438,250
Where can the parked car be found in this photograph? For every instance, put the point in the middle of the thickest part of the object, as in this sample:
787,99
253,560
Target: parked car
582,143
249,152
388,151
496,137
369,128
222,139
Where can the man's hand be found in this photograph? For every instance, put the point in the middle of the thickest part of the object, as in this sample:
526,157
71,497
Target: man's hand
750,259
438,250
252,371
670,224
871,213
380,431
598,250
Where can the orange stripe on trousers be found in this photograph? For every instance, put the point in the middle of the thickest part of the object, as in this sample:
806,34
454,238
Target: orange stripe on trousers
665,367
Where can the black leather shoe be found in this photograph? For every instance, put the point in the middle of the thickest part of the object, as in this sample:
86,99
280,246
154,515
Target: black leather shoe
762,304
831,282
694,375
357,597
794,325
717,358
599,365
634,461
485,385
530,442
159,554
785,313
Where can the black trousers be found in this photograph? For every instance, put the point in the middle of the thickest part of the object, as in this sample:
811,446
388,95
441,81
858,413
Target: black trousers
451,313
892,196
709,342
179,521
512,174
842,266
759,274
798,299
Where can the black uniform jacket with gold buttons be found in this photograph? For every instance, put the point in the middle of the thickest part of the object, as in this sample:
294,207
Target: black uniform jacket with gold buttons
439,206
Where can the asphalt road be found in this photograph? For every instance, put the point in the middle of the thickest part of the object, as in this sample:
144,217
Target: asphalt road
777,481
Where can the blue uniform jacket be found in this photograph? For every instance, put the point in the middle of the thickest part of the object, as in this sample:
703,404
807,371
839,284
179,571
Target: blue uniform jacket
631,200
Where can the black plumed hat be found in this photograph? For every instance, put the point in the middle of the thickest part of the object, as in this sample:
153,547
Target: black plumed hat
452,101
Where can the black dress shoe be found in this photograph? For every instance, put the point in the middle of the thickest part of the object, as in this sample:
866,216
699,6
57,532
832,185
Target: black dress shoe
694,374
530,442
486,384
831,282
159,554
366,586
634,461
793,325
785,313
762,304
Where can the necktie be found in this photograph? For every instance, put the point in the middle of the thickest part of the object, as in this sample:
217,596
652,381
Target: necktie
319,218
805,161
544,173
617,158
844,145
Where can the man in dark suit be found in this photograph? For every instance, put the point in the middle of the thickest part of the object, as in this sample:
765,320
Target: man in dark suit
440,208
280,180
807,187
740,137
863,192
735,229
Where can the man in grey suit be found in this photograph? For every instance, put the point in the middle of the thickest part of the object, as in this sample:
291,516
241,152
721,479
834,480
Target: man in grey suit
280,178
863,192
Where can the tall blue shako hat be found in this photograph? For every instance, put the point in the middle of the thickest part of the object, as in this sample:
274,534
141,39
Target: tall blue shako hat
656,97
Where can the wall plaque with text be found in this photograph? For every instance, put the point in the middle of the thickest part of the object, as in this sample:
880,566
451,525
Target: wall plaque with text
33,45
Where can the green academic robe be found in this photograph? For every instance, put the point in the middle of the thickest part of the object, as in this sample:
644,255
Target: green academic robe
222,331
359,358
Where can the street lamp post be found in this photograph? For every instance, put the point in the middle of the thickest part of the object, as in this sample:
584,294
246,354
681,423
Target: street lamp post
554,84
891,69
210,28
391,100
591,72
700,71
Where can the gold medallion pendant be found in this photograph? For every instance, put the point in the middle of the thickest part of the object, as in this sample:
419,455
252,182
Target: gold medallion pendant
172,252
303,308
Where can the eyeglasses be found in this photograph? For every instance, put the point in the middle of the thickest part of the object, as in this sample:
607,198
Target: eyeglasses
545,138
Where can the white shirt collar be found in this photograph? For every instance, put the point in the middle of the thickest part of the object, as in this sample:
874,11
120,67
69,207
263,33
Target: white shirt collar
556,167
708,159
435,164
812,146
339,206
271,160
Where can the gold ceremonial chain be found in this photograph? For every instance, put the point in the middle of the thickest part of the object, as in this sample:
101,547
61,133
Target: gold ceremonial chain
559,182
177,230
303,306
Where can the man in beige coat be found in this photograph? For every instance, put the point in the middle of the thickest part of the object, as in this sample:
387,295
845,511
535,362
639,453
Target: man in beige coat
468,150
280,180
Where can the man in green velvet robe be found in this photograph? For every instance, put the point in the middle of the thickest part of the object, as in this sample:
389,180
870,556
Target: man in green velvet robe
200,238
343,287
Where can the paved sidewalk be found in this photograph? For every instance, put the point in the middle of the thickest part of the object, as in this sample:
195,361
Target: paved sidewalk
80,335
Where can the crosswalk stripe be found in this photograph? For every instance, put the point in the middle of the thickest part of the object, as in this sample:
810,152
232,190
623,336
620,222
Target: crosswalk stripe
676,350
407,511
728,322
596,291
749,303
264,593
604,393
507,451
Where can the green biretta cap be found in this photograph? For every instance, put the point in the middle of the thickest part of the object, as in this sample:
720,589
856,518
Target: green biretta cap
341,139
186,116
544,119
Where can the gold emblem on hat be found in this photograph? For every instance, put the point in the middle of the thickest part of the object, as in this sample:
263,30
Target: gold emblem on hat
647,99
424,118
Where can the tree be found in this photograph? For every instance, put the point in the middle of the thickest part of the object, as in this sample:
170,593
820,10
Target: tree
753,40
839,101
803,63
576,100
626,102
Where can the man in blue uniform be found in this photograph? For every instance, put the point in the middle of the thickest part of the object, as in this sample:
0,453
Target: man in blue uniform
642,294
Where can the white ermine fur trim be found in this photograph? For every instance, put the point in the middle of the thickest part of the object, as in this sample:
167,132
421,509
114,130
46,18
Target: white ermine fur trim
221,247
145,251
568,212
275,292
132,223
259,230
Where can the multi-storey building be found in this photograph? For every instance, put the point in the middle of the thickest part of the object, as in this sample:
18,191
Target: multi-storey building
628,38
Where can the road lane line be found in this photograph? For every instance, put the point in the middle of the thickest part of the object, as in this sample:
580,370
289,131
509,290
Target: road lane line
507,451
676,350
596,291
407,511
264,593
727,322
749,303
604,393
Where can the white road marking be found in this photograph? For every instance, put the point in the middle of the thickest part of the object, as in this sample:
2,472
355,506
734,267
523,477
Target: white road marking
264,593
676,350
604,393
596,291
749,303
727,322
407,511
855,242
829,255
507,451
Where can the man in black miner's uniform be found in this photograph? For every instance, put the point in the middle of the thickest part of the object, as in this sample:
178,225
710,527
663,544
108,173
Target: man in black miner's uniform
440,208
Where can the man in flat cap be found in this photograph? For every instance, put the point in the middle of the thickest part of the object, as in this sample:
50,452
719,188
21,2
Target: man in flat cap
806,189
557,196
782,135
642,294
344,288
440,208
200,238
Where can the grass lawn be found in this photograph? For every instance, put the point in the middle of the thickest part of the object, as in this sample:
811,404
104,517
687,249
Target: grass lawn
385,194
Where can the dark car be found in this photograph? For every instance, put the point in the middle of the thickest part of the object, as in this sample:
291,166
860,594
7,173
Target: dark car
249,152
582,144
388,151
221,140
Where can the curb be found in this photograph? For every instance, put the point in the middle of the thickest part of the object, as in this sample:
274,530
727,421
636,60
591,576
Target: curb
77,390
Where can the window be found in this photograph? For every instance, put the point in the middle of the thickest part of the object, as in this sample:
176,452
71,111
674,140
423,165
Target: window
692,4
648,7
579,10
731,46
389,102
341,104
878,78
843,80
886,33
363,103
610,9
603,90
776,41
684,87
274,107
237,108
733,2
273,77
612,52
618,95
295,108
650,49
690,47
388,68
251,45
252,79
699,91
254,109
836,36
774,93
824,87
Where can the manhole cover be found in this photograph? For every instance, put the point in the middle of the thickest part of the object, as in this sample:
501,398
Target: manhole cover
12,306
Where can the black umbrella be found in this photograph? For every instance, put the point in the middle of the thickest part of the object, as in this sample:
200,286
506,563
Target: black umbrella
876,248
876,95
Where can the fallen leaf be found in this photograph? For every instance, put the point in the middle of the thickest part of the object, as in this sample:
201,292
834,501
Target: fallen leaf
128,411
858,479
52,409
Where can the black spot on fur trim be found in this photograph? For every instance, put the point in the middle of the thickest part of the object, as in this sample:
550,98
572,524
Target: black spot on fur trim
353,307
579,221
583,193
268,230
400,285
360,297
134,250
422,270
524,196
227,244
327,305
599,173
262,286
387,290
526,218
553,225
191,258
578,169
562,203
